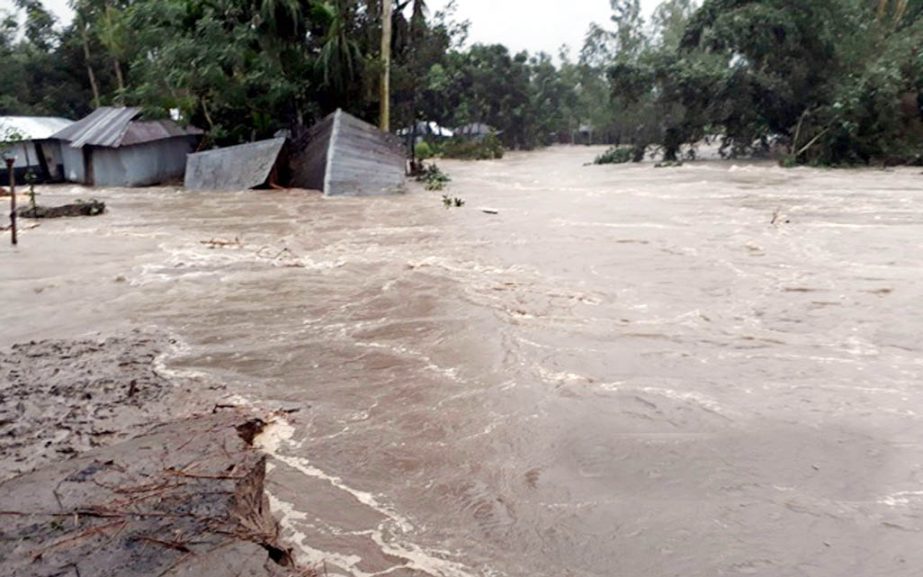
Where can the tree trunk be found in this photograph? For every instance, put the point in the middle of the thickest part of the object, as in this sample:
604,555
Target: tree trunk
385,117
86,57
120,78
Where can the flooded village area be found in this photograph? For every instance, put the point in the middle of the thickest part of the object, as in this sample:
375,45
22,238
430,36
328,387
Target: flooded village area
708,369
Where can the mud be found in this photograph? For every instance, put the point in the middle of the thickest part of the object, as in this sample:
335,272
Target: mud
59,398
185,499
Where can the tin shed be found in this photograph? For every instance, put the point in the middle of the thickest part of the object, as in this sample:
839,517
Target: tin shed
111,148
240,167
345,156
36,151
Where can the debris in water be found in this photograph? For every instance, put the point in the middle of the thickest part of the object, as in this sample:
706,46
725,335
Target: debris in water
221,243
90,207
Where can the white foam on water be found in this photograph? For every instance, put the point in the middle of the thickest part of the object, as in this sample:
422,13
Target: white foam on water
902,499
178,347
684,396
279,434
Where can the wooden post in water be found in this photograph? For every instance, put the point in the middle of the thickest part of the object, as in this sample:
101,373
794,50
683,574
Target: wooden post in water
10,160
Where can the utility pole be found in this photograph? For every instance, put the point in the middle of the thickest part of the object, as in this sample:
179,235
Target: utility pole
384,122
10,160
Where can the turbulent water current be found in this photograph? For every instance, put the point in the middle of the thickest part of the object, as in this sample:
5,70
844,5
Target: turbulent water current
706,370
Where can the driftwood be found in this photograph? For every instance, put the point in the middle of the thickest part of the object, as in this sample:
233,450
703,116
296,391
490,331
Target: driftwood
221,243
89,208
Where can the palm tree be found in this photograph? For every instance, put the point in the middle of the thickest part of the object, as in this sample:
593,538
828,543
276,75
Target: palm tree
340,56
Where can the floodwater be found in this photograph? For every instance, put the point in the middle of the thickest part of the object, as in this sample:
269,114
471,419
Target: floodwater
626,371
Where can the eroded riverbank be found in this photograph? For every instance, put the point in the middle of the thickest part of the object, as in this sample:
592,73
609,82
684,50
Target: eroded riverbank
627,370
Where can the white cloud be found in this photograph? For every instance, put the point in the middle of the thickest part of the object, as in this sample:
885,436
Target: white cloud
533,25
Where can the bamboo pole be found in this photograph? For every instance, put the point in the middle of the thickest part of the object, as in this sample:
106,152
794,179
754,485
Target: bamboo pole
9,169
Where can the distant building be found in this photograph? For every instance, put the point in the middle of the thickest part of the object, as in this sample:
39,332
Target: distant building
35,151
475,131
424,131
110,147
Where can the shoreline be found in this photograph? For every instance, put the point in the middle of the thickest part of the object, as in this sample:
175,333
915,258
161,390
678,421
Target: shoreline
111,468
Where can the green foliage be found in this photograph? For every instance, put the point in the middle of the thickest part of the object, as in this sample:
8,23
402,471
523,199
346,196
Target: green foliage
422,150
487,148
450,202
838,82
615,155
433,178
835,81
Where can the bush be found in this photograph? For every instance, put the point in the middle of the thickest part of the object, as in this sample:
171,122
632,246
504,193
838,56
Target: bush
615,155
423,150
433,178
487,148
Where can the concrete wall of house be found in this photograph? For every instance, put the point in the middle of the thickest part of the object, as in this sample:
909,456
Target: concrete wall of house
72,158
141,164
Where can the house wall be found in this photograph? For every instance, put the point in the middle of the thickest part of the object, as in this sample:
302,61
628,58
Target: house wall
22,151
363,161
51,149
141,164
72,158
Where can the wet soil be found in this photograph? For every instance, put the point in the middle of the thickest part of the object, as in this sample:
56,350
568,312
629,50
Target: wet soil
61,397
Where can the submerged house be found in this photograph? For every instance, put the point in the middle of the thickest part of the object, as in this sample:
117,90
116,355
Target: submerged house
262,164
345,156
35,149
340,155
110,147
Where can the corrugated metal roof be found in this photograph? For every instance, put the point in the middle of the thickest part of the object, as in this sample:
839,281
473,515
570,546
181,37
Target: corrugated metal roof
103,127
235,167
425,128
115,127
349,157
33,127
139,132
475,129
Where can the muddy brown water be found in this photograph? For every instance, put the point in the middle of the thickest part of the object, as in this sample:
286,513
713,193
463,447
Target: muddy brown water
627,371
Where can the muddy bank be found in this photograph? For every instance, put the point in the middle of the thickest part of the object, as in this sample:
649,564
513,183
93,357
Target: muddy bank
91,484
63,397
186,498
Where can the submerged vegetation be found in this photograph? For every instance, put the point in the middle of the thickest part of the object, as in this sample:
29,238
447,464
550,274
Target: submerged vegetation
615,155
487,148
433,178
827,82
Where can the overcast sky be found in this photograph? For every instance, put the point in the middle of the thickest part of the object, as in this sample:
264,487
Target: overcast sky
531,25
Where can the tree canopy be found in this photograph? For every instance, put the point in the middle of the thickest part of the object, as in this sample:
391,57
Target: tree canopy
831,81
